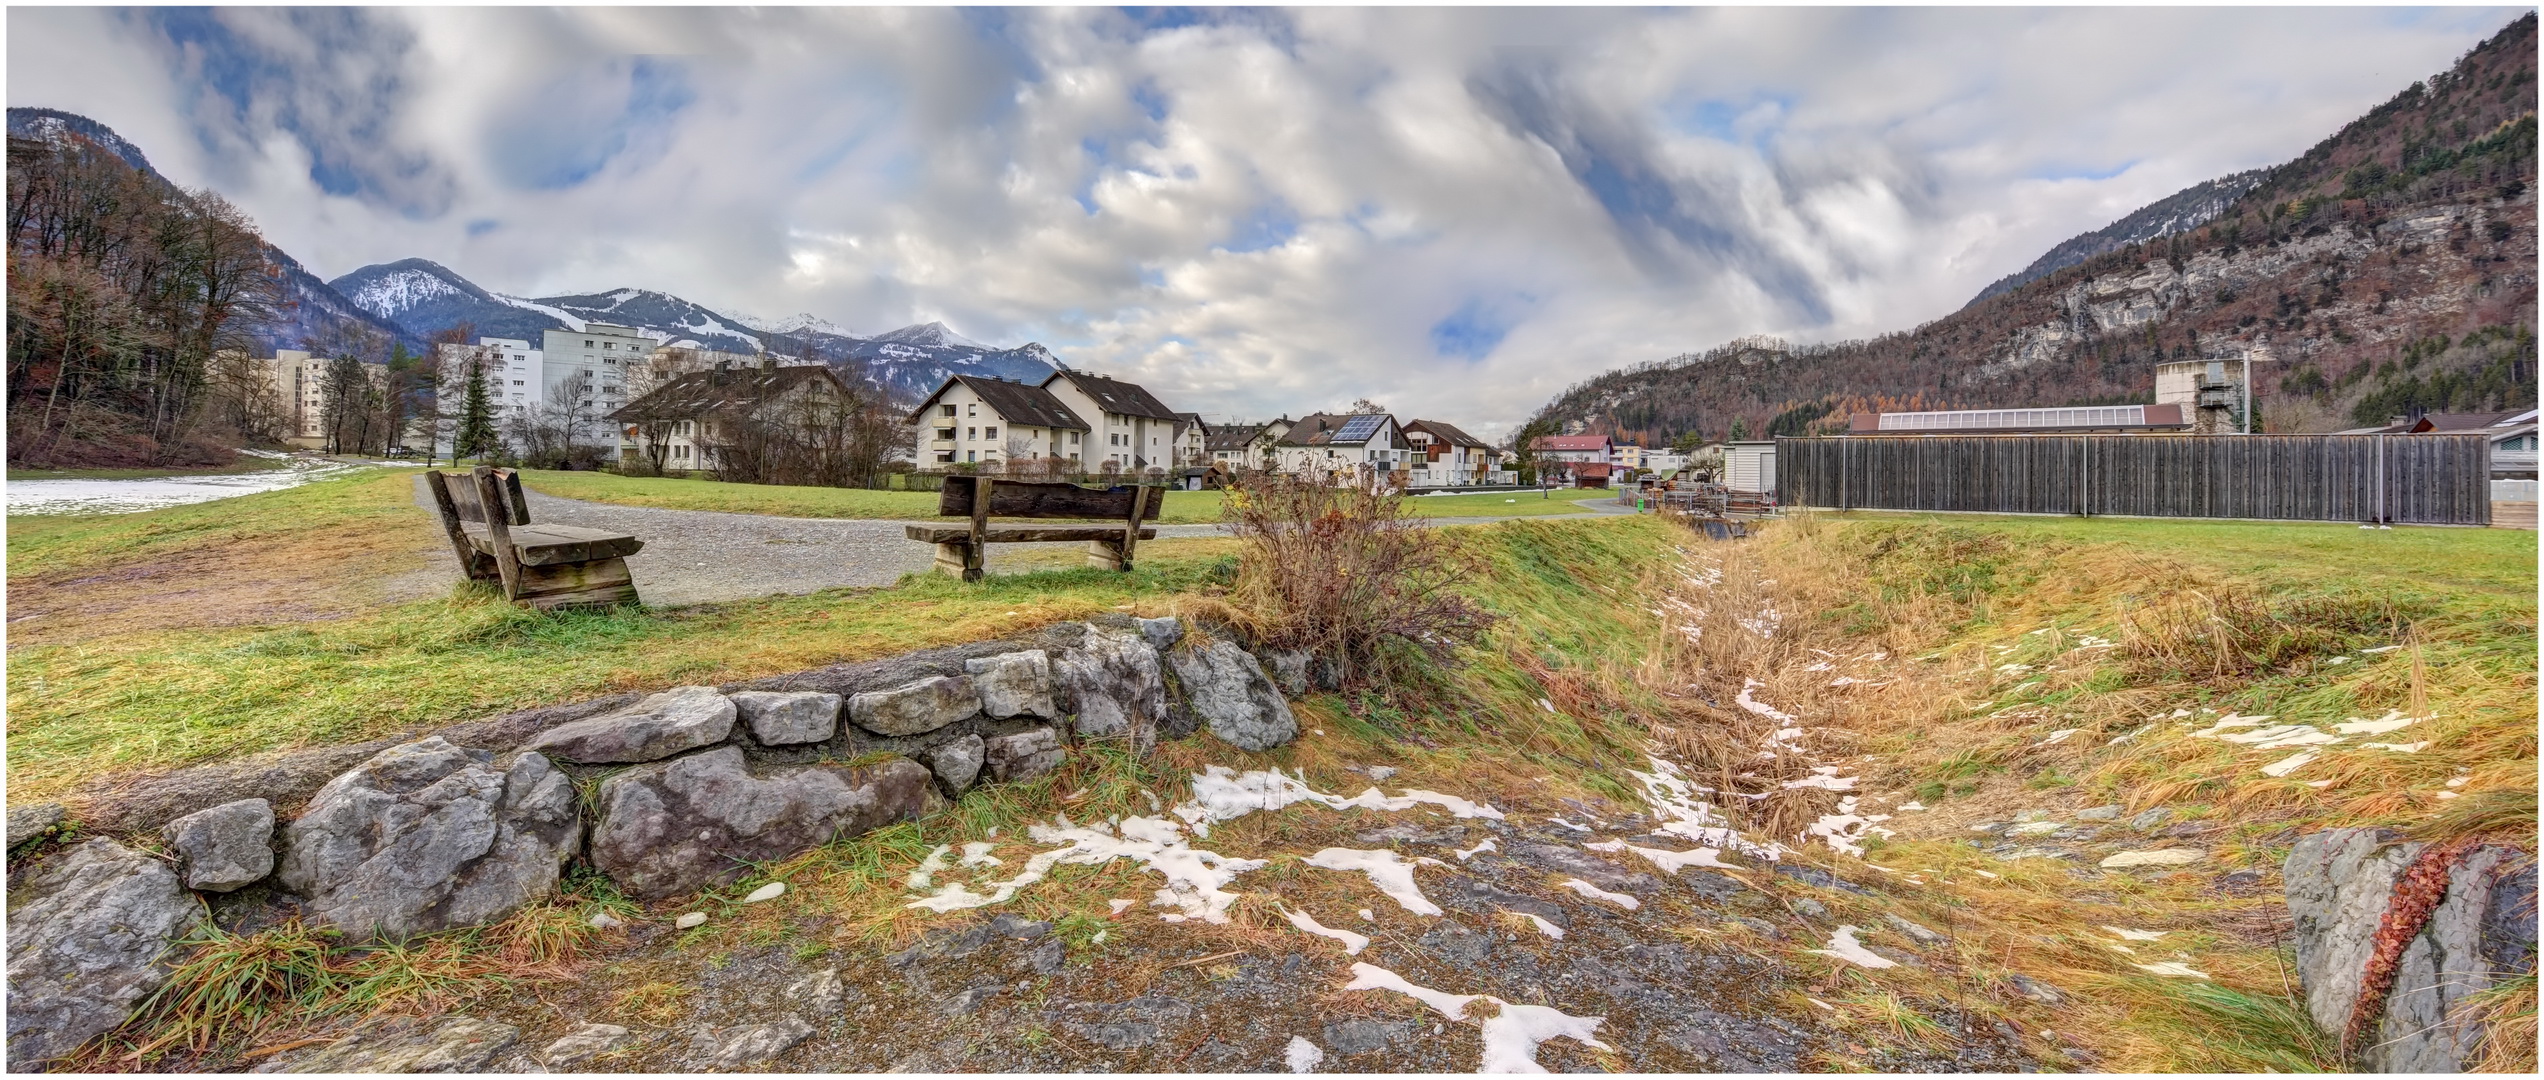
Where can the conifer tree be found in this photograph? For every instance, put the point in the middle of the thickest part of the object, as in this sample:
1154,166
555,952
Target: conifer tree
475,435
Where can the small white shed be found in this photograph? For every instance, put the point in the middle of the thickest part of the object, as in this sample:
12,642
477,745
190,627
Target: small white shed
1749,466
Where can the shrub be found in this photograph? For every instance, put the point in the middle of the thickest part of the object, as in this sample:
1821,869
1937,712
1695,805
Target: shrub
1342,572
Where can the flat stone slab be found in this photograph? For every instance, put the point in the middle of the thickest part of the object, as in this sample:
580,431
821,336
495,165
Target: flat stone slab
672,722
778,718
92,932
1014,684
226,847
700,821
917,708
2180,856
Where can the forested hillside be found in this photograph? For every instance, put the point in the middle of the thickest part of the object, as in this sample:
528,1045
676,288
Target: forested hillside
2391,267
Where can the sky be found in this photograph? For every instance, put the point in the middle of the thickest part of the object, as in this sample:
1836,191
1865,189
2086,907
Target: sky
1454,212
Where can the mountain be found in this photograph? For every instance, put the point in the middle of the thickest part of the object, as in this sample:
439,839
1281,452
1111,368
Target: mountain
426,297
2179,212
312,311
2392,267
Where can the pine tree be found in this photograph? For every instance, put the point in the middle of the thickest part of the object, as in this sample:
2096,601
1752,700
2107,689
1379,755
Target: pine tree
475,435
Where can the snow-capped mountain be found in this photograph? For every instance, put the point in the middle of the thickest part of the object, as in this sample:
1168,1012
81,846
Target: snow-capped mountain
426,297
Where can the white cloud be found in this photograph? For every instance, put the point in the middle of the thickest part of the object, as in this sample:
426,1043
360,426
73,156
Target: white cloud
1457,212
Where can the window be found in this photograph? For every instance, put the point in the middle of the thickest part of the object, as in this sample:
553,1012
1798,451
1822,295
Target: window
516,382
587,343
990,433
610,360
608,345
971,433
974,455
1073,439
948,413
945,433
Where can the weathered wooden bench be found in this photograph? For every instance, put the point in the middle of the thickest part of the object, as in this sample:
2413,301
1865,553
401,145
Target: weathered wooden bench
541,566
961,547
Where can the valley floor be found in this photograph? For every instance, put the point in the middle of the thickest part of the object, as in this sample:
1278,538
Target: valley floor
1908,746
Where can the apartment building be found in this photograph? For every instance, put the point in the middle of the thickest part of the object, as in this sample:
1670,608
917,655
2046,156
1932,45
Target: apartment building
515,374
1344,448
1444,456
1246,445
1127,427
602,355
684,420
984,421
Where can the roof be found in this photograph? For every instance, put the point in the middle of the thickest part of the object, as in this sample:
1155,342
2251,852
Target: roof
2063,418
1573,442
701,392
1116,396
1338,429
1234,438
2439,421
1186,420
1020,404
1447,433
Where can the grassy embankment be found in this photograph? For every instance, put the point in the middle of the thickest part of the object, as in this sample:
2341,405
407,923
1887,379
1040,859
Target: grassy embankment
1182,507
246,463
2227,616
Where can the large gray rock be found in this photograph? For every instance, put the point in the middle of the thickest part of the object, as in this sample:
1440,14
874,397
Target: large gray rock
1021,756
917,708
30,820
786,719
1230,693
672,722
226,847
91,932
428,836
1162,634
457,1044
695,822
1014,684
748,1044
2339,883
1111,684
585,1043
957,763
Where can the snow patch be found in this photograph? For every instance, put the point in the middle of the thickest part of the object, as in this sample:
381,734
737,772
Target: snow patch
1352,943
1845,947
1511,1035
1596,893
1391,874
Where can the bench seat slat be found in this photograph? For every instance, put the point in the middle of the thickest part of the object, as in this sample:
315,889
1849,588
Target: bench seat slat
1016,534
551,545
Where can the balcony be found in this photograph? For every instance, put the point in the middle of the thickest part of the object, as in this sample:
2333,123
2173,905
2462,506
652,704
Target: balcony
940,444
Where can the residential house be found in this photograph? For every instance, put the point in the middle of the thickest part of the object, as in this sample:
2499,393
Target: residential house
1345,449
1444,456
2512,436
1128,429
972,419
683,422
1558,456
1664,461
299,381
1246,445
1192,440
1626,456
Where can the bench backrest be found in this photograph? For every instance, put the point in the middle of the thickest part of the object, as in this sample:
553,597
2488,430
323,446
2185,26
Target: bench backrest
1017,498
464,501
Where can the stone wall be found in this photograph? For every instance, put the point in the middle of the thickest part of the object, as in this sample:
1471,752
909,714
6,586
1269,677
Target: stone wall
466,825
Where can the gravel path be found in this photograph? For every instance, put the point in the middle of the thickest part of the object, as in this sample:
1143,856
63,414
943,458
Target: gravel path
707,556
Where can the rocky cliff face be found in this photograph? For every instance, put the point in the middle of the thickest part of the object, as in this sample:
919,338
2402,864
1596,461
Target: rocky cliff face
2391,267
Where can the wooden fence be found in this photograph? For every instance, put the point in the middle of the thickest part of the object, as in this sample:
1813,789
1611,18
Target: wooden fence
2424,479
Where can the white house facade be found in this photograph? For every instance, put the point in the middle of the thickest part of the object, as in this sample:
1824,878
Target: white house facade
1128,429
1344,448
984,421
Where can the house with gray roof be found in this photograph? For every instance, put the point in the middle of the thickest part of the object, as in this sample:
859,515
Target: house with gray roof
978,420
1127,427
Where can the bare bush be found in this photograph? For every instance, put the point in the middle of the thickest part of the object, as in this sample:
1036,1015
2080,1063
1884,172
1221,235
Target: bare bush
1344,573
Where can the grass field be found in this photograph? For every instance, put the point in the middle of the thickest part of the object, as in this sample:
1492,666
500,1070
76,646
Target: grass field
1182,507
1977,640
246,463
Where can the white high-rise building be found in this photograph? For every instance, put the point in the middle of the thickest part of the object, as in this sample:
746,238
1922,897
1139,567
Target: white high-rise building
606,353
515,382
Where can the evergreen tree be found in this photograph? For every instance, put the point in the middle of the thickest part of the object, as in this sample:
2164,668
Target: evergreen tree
475,435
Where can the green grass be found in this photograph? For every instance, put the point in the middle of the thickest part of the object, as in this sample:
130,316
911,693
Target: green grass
52,545
1182,507
246,463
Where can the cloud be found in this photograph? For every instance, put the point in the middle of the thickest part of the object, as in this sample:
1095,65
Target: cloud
1458,212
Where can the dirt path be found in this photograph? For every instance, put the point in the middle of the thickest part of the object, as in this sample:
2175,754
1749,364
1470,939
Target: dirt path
706,556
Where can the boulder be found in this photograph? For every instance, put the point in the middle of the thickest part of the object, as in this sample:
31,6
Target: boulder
1230,693
1162,634
748,1044
917,708
699,821
91,932
2339,884
956,764
1014,684
672,722
585,1043
1288,668
1111,685
226,847
32,820
1021,756
458,1044
786,719
428,836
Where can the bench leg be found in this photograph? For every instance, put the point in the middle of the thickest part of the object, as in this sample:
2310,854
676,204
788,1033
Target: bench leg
1105,555
954,560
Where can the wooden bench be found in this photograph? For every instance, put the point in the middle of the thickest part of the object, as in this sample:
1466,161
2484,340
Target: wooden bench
961,547
541,566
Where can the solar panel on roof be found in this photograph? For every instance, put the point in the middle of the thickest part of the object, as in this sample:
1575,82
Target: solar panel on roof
1359,428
